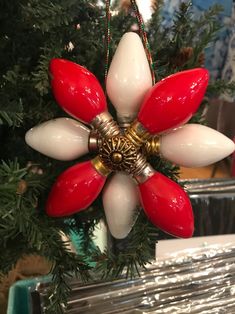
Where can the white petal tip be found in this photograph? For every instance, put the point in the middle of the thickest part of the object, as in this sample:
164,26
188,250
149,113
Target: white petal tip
61,139
195,145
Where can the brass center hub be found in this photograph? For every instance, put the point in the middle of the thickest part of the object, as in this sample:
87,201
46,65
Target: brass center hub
118,153
116,157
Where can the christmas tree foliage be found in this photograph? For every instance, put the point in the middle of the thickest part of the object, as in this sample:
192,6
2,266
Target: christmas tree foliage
31,33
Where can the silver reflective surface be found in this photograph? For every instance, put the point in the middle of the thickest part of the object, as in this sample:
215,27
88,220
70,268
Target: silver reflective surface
197,187
213,202
199,281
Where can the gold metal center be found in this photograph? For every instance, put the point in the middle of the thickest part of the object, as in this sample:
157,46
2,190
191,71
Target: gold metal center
118,153
116,157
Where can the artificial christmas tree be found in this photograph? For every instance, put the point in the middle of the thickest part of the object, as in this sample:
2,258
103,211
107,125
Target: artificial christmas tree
73,30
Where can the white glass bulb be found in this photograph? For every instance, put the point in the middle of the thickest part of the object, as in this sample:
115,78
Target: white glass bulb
61,139
129,76
121,203
195,145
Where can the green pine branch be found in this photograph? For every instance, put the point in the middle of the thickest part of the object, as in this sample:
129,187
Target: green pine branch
131,254
23,222
221,87
11,118
47,15
200,116
204,31
11,107
40,74
187,31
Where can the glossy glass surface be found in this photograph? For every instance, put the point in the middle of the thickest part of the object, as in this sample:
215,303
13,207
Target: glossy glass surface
74,190
129,76
76,90
173,100
120,201
195,145
62,138
167,206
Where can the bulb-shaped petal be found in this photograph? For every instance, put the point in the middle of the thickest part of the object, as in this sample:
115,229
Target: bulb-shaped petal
129,76
121,202
167,205
76,90
74,190
195,145
61,139
173,100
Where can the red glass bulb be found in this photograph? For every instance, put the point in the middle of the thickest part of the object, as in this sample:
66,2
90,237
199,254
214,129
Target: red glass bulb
74,190
173,100
76,90
167,206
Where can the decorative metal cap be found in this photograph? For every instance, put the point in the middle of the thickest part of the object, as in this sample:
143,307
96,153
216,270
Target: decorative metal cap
106,126
142,170
137,134
93,141
152,146
100,166
118,153
124,121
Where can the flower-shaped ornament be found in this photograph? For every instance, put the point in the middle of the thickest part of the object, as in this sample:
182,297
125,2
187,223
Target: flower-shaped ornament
143,111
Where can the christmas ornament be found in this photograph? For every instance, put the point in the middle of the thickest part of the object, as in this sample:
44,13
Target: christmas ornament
123,151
